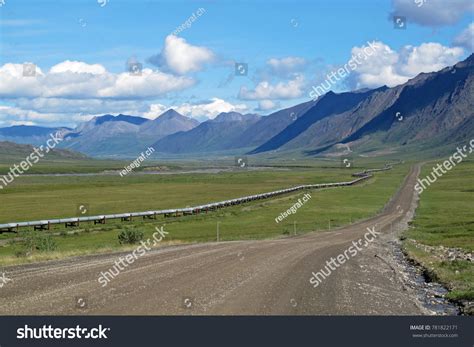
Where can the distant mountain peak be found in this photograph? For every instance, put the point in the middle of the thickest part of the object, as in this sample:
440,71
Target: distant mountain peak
170,114
119,118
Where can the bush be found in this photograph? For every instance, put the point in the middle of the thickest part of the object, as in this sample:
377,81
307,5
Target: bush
130,236
37,241
45,243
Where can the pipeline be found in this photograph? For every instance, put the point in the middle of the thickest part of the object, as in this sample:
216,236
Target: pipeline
101,219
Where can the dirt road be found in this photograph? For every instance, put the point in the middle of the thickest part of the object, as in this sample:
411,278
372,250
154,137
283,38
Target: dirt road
245,277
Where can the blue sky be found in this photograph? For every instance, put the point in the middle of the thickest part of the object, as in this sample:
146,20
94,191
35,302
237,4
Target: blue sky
81,49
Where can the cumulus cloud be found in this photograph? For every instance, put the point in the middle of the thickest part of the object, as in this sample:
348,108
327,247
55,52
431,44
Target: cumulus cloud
281,90
208,109
13,83
181,57
15,116
78,80
155,110
265,105
73,88
466,38
432,13
391,68
148,84
78,67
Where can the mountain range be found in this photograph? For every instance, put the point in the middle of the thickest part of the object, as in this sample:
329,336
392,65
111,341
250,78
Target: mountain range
124,135
29,134
431,110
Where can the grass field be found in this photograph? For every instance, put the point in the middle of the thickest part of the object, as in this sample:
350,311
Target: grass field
445,218
42,197
45,197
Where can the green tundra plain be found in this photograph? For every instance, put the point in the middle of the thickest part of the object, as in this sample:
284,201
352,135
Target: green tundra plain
39,197
444,216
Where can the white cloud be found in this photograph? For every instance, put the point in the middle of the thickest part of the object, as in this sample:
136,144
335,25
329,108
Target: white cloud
13,83
427,57
14,115
155,110
148,84
466,38
286,65
209,109
72,88
78,67
391,68
265,105
78,80
432,13
181,57
281,90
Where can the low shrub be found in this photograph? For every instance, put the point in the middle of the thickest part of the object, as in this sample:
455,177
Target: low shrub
130,236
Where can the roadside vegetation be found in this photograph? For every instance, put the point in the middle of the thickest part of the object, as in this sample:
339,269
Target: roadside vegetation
442,235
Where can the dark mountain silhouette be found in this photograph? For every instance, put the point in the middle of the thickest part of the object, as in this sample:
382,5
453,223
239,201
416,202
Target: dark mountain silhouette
216,134
427,108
